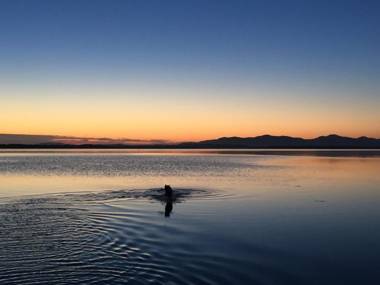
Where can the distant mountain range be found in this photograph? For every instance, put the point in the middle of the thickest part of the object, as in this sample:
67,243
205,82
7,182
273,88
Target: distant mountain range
268,141
259,142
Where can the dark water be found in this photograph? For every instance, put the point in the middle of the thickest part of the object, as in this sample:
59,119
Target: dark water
99,218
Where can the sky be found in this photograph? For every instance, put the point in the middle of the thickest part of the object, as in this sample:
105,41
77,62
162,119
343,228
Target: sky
189,70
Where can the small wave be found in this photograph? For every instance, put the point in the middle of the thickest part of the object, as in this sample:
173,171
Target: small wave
59,240
154,194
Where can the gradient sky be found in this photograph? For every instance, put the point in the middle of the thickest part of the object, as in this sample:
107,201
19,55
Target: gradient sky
189,70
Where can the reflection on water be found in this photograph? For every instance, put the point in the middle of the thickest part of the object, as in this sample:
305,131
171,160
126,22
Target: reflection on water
100,218
66,171
66,239
168,208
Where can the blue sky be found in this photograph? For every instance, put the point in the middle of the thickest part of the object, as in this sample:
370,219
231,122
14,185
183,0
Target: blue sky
302,54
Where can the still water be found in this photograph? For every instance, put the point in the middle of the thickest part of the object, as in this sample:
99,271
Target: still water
240,217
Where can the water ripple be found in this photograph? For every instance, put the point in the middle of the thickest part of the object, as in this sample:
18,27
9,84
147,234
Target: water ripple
67,239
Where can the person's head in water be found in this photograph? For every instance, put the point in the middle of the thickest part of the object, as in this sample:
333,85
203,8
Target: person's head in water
168,191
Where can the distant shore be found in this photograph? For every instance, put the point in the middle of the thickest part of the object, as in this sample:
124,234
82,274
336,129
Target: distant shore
259,142
177,147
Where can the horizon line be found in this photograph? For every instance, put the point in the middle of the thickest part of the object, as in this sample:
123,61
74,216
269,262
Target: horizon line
36,139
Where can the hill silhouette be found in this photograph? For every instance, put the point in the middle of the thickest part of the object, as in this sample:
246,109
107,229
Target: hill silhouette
259,142
268,141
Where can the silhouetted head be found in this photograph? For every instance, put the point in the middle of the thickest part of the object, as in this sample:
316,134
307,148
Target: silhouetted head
168,191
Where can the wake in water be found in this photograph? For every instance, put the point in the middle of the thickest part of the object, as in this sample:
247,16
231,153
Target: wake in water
157,194
161,195
68,239
121,237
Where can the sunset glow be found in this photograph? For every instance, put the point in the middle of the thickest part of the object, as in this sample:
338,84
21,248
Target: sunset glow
136,77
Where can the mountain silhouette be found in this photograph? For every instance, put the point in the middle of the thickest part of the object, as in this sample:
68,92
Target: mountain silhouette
260,142
268,141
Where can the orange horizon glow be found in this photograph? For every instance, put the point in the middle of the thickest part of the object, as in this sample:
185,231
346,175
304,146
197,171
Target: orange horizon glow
186,129
175,139
182,114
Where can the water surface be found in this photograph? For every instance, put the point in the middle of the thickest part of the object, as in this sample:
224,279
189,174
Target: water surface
95,217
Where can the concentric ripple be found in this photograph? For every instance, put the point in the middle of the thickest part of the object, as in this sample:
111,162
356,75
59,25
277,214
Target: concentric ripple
68,239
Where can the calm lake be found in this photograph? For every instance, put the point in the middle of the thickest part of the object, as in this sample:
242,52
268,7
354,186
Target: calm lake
239,217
